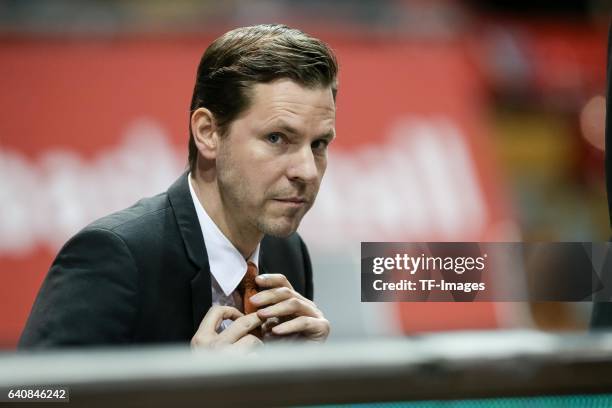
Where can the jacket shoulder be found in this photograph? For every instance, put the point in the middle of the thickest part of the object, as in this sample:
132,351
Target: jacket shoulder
148,229
139,213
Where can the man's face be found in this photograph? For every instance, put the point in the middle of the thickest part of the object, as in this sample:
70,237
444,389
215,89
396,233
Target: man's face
273,157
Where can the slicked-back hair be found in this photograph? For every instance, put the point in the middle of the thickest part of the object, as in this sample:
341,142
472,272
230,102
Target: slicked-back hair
243,57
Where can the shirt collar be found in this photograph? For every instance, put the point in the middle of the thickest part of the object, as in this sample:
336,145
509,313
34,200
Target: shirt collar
226,263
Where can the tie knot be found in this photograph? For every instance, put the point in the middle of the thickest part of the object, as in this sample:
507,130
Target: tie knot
251,269
248,281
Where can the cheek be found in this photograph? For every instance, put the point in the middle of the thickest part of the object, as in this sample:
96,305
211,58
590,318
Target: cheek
261,180
322,166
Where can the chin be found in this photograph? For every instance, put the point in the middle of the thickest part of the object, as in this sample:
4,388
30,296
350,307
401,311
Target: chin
279,229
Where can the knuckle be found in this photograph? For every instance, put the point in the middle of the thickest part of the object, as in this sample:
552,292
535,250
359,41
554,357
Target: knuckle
317,312
325,324
295,302
283,291
200,340
245,322
254,339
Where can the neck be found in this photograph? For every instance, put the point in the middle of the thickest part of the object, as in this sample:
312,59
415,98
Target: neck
244,237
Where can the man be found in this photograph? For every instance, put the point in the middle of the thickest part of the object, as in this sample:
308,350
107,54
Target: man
173,268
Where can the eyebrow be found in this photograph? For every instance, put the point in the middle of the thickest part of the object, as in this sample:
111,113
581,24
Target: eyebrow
330,135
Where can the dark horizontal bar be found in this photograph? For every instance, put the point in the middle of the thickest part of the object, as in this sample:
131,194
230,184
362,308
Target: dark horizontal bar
445,366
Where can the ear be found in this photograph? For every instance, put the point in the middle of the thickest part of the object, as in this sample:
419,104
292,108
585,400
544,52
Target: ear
205,133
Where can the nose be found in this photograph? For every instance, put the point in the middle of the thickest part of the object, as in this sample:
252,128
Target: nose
303,166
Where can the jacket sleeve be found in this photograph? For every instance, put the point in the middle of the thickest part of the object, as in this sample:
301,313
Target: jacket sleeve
89,296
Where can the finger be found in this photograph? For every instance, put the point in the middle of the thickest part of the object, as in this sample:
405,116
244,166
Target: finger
272,280
269,324
292,306
215,315
313,328
240,328
276,295
248,342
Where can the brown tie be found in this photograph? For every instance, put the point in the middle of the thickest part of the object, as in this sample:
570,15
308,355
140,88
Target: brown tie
248,288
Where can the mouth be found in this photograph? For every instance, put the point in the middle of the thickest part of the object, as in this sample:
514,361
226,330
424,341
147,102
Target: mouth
292,201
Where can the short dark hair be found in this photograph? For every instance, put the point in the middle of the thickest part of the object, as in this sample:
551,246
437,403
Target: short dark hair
240,58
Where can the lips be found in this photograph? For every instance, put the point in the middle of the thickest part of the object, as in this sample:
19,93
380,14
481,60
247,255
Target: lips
295,202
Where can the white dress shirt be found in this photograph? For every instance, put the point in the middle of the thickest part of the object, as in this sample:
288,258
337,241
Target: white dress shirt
227,265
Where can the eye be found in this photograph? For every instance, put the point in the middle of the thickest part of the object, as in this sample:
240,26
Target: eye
274,137
320,144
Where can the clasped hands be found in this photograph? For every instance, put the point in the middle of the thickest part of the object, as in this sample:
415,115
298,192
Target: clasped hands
282,312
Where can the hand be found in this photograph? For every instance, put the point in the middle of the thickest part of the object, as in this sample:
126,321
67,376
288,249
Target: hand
235,336
289,311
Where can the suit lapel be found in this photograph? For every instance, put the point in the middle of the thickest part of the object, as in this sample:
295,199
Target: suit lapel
263,269
279,255
191,232
266,267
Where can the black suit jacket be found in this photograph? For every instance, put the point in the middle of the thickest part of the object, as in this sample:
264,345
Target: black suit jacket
141,275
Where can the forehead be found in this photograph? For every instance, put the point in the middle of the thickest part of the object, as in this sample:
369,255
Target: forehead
286,99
